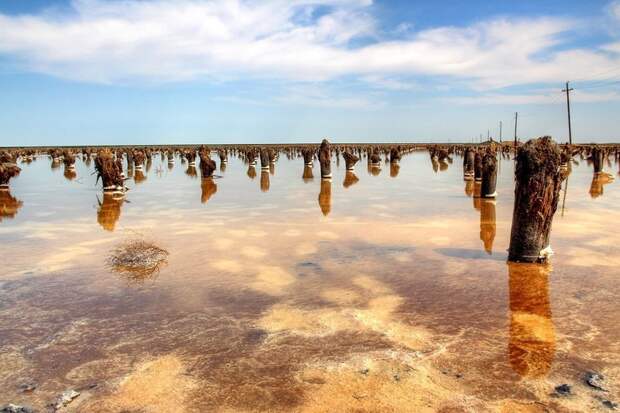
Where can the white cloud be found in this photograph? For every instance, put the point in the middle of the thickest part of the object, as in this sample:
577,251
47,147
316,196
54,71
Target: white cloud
162,40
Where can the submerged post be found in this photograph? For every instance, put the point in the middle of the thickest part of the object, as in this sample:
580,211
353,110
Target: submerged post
537,191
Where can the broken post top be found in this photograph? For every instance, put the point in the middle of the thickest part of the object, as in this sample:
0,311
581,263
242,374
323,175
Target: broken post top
538,155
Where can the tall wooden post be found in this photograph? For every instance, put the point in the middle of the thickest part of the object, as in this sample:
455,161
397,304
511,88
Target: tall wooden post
537,192
489,176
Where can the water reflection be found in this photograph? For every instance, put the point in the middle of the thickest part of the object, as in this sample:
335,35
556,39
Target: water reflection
9,205
191,171
70,174
469,187
139,176
109,210
532,334
394,169
325,196
307,176
264,180
350,179
208,188
598,182
251,171
487,224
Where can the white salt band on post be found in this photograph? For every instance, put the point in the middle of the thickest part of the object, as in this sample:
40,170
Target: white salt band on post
493,195
545,252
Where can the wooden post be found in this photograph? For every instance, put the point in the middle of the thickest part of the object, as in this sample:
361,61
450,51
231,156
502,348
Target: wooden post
478,166
597,160
537,191
325,160
350,160
489,176
264,159
468,164
207,165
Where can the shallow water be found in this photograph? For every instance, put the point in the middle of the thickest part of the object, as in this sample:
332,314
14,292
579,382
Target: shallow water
282,292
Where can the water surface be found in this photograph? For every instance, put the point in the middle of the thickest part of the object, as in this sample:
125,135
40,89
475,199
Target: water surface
380,291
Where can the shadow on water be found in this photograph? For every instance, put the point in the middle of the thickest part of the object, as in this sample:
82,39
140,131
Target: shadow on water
471,254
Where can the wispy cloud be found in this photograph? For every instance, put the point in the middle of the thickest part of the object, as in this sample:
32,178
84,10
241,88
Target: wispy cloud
540,98
162,41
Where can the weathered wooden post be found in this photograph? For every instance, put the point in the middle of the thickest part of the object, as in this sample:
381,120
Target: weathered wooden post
478,166
308,155
325,160
350,160
597,159
264,159
531,348
489,176
537,191
325,196
395,155
110,171
468,164
207,165
8,170
190,155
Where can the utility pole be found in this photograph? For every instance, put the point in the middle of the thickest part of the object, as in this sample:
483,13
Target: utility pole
500,131
516,119
488,134
570,133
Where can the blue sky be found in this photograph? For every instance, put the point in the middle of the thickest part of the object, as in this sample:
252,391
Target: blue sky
190,71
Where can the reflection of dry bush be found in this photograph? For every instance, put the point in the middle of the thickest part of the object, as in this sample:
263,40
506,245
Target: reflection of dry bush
137,260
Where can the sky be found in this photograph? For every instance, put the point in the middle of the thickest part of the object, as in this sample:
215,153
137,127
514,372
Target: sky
97,72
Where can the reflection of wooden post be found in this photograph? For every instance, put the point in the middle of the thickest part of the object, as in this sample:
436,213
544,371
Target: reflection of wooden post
350,179
487,224
537,191
325,196
532,335
208,188
489,176
394,169
469,187
109,210
307,175
251,171
264,180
